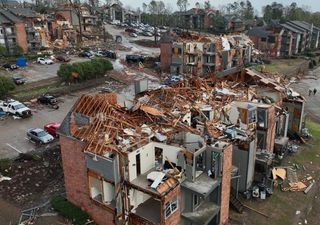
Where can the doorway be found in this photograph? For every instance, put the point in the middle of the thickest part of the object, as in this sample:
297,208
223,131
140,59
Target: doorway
138,167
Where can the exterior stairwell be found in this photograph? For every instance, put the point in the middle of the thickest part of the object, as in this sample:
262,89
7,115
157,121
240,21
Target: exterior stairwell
235,203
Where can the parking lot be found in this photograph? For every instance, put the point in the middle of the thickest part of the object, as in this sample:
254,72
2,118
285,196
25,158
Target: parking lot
13,137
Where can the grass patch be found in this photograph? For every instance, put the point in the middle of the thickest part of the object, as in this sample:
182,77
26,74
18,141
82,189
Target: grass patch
5,164
35,92
69,210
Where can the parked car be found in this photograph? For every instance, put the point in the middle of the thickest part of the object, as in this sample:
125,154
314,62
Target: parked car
147,34
49,101
10,66
133,35
130,30
134,58
40,136
44,61
16,108
110,54
86,55
19,79
52,128
100,53
63,58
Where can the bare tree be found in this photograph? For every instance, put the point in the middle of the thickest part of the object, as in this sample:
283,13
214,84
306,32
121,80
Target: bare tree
77,8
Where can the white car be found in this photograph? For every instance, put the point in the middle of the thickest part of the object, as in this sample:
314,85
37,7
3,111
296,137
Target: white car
44,61
133,35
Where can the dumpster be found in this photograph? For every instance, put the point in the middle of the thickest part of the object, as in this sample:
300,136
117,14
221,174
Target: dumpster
21,62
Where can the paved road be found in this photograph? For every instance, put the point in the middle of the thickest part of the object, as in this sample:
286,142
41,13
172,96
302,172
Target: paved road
134,47
313,102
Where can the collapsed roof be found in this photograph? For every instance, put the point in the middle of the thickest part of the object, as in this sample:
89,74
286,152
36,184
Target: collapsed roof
162,113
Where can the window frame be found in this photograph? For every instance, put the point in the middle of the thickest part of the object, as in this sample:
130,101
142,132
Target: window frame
169,207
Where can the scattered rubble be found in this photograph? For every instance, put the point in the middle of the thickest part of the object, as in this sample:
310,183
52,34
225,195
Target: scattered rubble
33,174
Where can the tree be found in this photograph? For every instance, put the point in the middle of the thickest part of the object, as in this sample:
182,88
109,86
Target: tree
182,5
243,9
275,11
144,7
6,85
207,5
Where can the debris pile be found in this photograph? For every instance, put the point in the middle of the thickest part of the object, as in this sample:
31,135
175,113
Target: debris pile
32,175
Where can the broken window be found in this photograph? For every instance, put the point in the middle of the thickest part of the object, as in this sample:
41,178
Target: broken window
272,39
158,152
196,201
171,207
262,118
101,190
95,186
252,116
261,140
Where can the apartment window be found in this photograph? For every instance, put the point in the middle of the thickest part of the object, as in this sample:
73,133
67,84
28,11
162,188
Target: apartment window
100,190
261,140
262,118
252,116
96,190
196,200
272,39
171,207
263,39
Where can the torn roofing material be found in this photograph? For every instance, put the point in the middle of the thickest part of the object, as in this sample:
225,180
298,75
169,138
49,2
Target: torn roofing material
162,113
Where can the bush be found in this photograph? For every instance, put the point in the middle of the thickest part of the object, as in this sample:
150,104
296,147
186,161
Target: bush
6,85
87,70
69,210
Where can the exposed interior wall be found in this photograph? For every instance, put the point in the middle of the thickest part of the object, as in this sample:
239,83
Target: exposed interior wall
244,159
169,152
147,157
147,160
108,192
137,197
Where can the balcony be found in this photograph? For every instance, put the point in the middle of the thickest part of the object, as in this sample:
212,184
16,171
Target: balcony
203,185
209,64
203,214
147,213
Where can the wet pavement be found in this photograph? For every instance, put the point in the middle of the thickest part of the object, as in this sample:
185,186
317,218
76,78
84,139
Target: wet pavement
313,101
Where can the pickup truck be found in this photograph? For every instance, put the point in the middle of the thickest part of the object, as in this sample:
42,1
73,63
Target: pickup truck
15,108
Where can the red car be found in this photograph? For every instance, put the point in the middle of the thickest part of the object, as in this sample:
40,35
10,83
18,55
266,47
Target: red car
51,128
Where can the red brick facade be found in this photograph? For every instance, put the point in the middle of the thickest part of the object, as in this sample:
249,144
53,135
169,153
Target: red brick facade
271,131
76,181
165,57
21,36
174,219
225,184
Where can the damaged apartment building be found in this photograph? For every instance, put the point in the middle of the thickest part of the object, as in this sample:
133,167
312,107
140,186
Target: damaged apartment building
177,154
200,55
23,27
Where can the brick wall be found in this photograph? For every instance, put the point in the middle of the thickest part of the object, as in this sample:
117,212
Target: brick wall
271,131
226,184
174,219
165,57
76,181
21,36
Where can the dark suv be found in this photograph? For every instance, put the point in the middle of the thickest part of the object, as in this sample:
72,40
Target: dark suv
49,101
134,58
